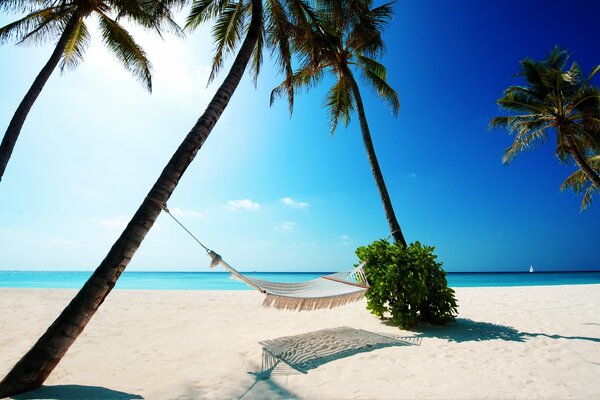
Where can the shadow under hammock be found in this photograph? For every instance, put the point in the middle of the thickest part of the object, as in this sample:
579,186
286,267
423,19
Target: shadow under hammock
311,350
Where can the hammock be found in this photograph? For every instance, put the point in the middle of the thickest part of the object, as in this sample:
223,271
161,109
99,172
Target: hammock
325,292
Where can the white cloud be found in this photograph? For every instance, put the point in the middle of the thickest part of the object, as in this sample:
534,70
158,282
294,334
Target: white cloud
257,244
413,175
179,212
287,226
59,241
301,245
244,204
288,201
345,240
115,222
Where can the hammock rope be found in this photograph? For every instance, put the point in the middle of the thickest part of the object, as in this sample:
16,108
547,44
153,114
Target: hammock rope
325,292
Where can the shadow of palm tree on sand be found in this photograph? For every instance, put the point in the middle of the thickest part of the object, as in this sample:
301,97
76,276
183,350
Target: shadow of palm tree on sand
75,392
467,330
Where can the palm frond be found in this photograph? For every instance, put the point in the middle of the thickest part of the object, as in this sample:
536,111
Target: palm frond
365,37
573,75
525,139
333,11
587,198
305,30
562,149
532,71
375,73
587,132
586,100
168,24
517,123
304,78
36,27
205,10
257,56
339,103
19,6
278,39
127,51
530,90
76,46
557,59
562,84
158,15
591,75
579,183
226,32
383,14
518,101
303,18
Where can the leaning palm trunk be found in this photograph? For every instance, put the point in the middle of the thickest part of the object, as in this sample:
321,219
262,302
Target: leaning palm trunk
18,119
383,193
35,366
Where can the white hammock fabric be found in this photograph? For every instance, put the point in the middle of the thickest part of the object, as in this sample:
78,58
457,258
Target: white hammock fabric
325,292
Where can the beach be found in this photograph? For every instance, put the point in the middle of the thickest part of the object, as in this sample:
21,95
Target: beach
538,342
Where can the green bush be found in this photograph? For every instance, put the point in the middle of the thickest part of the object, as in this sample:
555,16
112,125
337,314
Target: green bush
407,285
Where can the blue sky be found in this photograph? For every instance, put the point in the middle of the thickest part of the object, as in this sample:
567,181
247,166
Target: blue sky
270,192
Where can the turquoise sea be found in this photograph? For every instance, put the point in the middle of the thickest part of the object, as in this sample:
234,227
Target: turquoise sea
223,281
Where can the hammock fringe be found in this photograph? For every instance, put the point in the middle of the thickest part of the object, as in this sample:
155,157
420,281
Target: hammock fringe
309,304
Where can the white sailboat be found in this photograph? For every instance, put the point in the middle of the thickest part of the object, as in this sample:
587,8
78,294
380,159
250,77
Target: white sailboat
531,268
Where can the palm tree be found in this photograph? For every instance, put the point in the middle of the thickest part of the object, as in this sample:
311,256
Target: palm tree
35,366
347,34
579,183
554,99
65,19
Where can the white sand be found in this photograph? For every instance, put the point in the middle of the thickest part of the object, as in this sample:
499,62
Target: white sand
508,343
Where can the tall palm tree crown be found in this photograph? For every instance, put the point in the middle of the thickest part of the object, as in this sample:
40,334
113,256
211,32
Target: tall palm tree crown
47,20
557,100
65,21
346,35
232,17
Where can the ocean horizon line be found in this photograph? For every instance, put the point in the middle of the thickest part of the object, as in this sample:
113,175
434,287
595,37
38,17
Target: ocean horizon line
520,271
222,280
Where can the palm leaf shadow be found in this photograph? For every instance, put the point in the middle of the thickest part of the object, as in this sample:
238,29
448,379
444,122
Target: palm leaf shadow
264,388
